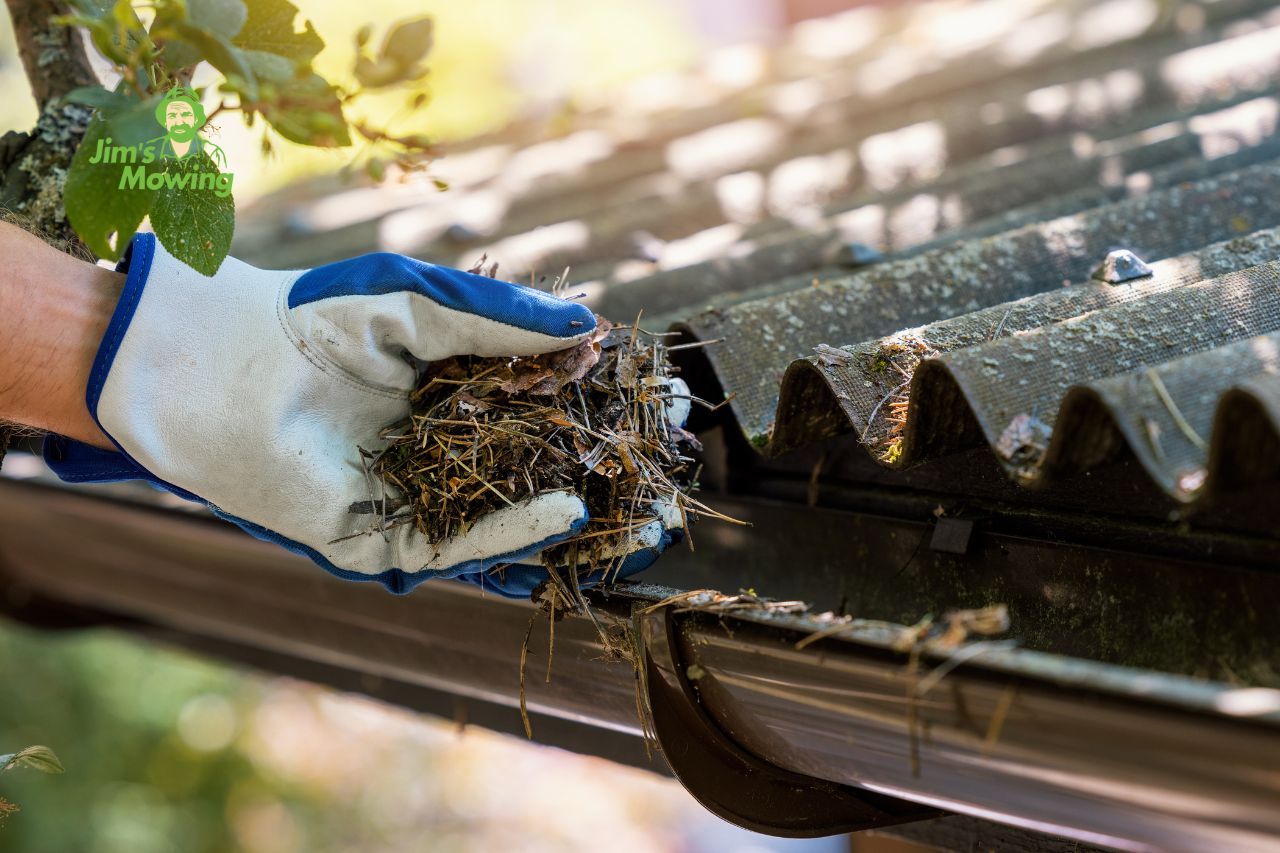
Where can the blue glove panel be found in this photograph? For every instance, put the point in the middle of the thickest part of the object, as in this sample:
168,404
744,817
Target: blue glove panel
381,273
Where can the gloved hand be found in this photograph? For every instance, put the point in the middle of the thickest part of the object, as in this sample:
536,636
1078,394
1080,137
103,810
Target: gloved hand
251,390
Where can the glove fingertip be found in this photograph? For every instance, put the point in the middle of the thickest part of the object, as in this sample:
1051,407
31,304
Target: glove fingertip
681,402
563,324
559,510
508,535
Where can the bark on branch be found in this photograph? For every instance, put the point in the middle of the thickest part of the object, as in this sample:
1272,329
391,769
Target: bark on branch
53,56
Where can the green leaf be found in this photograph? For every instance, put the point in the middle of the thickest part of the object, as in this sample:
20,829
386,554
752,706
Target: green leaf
124,15
213,48
130,34
195,225
373,74
36,757
98,98
270,28
271,67
303,109
113,27
97,8
224,18
102,33
408,42
97,208
135,123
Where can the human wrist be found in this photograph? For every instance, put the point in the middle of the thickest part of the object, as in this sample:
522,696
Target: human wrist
54,311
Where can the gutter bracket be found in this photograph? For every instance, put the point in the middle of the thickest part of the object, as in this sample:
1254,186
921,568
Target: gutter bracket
732,783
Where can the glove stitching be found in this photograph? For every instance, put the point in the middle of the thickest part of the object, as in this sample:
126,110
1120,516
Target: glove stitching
318,359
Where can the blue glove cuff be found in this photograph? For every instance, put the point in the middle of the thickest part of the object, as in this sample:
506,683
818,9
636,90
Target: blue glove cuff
73,461
76,462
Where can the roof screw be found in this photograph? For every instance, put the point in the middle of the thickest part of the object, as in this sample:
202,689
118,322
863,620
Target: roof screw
1121,266
856,255
460,233
647,247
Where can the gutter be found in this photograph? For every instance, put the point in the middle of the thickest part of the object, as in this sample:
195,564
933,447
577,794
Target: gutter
1130,758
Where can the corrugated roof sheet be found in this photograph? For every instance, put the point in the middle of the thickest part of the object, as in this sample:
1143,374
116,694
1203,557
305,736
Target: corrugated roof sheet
894,218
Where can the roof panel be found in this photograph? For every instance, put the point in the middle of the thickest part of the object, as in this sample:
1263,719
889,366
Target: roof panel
765,335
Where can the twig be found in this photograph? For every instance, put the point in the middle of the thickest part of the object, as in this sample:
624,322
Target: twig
524,658
996,333
871,418
1163,394
695,344
998,716
823,633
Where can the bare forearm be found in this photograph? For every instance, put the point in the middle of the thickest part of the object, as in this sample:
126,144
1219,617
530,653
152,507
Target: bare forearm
54,310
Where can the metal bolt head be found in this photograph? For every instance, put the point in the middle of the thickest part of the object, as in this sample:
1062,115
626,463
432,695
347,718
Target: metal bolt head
855,254
1121,266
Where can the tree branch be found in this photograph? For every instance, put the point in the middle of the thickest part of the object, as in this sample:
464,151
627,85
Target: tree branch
52,55
33,166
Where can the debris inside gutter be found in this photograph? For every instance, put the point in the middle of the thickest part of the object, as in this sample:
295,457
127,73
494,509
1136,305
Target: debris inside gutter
929,635
958,636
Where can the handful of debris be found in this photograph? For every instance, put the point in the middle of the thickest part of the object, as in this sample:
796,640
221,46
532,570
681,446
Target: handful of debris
602,419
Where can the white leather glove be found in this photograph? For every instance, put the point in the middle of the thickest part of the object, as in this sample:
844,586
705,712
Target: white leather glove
251,390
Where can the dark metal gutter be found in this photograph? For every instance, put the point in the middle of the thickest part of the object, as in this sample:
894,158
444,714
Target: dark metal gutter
1129,758
1119,758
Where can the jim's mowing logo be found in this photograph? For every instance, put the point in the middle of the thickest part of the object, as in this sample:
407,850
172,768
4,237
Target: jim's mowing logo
181,115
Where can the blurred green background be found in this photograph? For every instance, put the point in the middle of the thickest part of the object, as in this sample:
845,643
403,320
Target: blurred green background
165,751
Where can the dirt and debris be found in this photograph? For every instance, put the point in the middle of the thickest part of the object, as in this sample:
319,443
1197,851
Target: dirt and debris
893,364
1024,443
829,356
955,627
601,419
745,601
595,419
927,635
946,635
949,636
